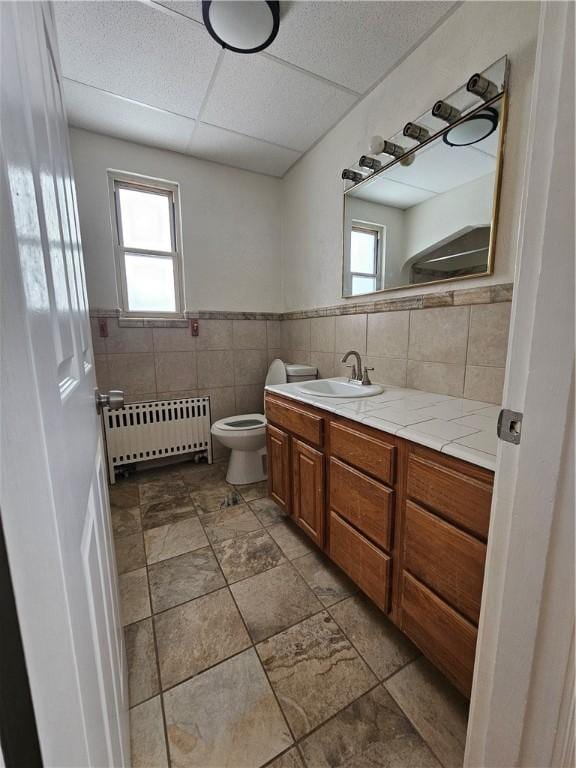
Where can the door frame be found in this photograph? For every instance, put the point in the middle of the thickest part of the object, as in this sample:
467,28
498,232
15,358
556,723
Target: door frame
522,706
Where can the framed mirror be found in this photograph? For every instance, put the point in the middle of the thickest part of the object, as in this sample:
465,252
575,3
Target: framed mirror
430,215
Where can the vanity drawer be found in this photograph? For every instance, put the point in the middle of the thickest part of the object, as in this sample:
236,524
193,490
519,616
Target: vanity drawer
372,455
366,565
299,422
365,503
446,559
463,498
446,637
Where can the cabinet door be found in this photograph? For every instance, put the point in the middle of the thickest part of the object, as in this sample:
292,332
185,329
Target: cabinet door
441,633
308,490
278,444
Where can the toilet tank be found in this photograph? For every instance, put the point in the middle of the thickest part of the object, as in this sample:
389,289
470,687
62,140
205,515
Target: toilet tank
300,372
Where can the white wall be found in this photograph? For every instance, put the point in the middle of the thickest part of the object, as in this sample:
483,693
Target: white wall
470,40
458,210
255,243
230,224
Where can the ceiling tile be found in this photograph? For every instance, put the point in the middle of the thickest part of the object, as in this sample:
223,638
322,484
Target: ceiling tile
96,110
256,96
136,51
392,193
438,167
212,143
353,43
190,8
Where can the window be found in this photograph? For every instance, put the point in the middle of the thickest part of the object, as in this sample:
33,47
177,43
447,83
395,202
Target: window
148,260
365,259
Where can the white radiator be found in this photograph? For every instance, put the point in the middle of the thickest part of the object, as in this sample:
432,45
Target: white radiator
142,431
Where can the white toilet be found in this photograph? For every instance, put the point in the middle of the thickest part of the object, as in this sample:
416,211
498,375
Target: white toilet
246,435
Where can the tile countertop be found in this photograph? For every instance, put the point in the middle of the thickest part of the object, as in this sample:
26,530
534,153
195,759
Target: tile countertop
462,428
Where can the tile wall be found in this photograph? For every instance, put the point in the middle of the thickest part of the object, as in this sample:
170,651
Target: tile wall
455,350
228,361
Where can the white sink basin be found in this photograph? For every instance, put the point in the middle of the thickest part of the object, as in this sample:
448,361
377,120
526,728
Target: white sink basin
339,388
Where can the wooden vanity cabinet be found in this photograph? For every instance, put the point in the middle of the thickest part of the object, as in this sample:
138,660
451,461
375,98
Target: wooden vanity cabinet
406,523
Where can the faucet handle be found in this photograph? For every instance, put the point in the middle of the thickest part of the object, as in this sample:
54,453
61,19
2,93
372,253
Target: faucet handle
366,377
354,374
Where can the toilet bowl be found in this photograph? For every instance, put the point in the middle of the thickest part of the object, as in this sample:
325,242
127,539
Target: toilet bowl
246,435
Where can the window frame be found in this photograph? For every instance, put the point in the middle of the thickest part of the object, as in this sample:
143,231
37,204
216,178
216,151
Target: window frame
373,229
118,180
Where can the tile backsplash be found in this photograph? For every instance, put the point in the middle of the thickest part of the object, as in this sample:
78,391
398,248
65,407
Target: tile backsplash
454,350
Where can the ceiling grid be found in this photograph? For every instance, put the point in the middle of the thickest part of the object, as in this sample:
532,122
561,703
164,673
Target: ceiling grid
148,71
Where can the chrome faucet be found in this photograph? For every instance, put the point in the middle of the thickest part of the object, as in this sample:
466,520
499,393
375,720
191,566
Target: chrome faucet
356,374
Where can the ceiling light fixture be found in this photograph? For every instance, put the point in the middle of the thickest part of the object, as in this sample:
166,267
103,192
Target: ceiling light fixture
472,130
242,26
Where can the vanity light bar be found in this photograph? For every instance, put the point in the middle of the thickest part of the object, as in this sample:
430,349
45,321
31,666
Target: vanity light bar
477,84
416,132
481,86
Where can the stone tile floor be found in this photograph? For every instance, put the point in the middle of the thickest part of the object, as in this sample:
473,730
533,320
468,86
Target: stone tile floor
247,648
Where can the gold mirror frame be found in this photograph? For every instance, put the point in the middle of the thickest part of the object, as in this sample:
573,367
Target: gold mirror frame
500,97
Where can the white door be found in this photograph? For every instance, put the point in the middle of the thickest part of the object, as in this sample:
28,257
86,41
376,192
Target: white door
53,492
522,706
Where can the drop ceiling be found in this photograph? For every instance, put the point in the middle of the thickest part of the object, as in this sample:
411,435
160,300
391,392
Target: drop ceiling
149,72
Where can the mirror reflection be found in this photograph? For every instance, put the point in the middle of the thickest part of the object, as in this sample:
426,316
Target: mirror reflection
428,219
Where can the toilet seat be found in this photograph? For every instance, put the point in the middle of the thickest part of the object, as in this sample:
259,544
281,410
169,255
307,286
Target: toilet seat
247,422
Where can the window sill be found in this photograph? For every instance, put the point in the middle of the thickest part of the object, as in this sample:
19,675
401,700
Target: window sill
173,320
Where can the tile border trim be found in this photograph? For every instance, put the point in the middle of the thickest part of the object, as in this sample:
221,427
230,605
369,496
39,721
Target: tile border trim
492,294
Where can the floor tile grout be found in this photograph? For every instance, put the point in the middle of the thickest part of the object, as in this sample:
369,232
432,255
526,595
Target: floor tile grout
252,643
156,655
341,628
296,743
407,716
329,719
228,583
232,538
